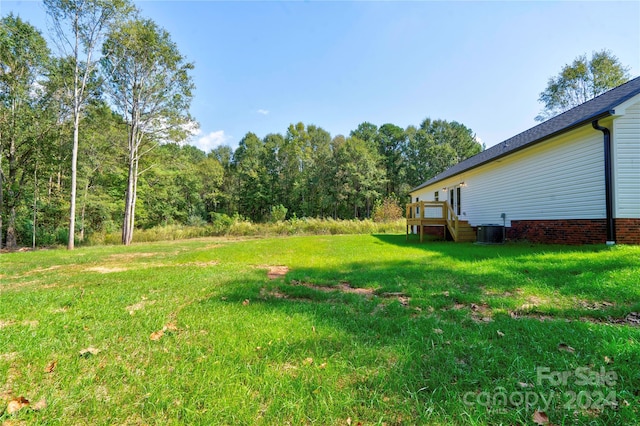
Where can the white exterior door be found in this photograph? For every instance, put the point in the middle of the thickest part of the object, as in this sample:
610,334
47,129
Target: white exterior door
455,199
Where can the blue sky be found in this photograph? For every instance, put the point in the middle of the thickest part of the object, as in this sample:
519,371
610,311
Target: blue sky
260,66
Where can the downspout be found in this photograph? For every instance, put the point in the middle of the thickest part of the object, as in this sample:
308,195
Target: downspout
608,182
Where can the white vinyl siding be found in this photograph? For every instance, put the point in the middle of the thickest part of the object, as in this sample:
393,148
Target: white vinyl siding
626,154
562,178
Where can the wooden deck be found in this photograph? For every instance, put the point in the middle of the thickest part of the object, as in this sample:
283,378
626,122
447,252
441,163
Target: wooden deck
438,213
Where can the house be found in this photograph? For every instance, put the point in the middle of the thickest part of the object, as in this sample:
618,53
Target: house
574,179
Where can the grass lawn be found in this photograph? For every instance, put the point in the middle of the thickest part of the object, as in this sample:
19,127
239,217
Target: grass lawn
346,330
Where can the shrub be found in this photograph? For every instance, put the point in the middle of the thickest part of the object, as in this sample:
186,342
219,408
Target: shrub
221,223
196,220
387,211
278,213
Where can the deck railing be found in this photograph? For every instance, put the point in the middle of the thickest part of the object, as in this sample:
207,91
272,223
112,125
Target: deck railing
428,213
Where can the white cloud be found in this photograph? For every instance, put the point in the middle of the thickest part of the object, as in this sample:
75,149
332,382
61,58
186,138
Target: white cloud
211,140
263,111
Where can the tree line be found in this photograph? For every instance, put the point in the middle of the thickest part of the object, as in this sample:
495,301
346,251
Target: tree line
93,140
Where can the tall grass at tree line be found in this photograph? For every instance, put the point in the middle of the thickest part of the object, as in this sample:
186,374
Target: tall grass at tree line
238,227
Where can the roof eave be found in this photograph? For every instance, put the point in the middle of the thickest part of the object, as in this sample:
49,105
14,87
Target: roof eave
520,148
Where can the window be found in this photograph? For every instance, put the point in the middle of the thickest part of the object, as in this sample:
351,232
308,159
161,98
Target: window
436,196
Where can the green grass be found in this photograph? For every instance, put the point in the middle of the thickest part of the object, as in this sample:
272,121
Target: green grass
433,325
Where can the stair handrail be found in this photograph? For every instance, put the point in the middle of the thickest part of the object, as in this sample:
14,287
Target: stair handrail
452,221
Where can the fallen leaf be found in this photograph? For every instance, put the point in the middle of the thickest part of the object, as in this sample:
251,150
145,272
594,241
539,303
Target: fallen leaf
40,405
438,331
308,361
89,351
608,360
322,366
349,421
245,302
170,327
157,335
51,366
500,333
566,348
525,385
313,328
445,294
17,404
540,418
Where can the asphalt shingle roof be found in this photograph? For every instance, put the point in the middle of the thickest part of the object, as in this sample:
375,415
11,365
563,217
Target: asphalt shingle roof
596,108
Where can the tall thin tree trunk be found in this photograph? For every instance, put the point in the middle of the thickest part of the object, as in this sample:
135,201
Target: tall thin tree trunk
135,198
132,181
1,193
74,173
126,224
35,204
84,205
12,238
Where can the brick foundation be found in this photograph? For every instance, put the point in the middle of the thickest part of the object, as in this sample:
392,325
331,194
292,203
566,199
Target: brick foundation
564,231
627,231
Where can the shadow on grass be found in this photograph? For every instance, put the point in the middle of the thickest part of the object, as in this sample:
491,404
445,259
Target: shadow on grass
430,358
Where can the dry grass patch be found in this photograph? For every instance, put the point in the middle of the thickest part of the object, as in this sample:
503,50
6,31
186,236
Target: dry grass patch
106,270
139,306
130,256
275,272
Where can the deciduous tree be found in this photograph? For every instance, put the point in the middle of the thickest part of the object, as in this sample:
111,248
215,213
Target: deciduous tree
23,59
80,26
580,81
150,86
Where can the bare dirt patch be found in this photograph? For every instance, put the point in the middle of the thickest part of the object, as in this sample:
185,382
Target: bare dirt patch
595,305
342,287
631,319
402,298
481,313
202,264
275,272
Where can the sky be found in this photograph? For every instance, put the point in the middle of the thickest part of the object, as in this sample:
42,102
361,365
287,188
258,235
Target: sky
261,66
